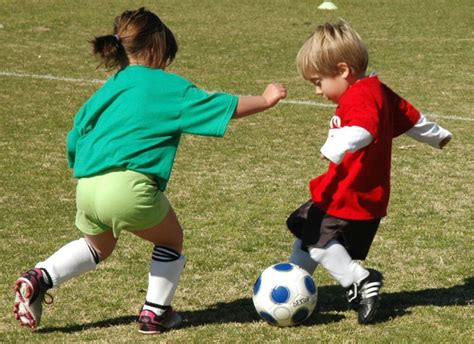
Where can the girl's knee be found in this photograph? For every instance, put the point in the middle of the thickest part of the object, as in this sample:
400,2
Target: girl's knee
102,245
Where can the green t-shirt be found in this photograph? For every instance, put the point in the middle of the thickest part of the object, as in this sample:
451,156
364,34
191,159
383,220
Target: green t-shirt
136,119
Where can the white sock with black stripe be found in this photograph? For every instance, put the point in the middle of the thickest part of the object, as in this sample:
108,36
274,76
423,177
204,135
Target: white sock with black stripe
72,259
165,271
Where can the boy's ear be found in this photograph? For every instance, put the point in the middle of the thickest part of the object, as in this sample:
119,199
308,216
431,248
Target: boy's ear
344,70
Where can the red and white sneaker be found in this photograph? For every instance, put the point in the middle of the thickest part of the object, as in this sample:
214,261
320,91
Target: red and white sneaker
30,291
150,323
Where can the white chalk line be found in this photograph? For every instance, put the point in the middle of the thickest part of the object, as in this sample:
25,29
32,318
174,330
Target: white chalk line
285,101
50,77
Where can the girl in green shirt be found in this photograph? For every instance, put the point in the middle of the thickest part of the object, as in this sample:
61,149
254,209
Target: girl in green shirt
121,148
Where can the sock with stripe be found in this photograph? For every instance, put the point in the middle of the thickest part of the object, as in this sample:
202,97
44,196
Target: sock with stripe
165,270
73,259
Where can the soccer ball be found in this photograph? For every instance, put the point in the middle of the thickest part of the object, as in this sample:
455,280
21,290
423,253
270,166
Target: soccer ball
284,295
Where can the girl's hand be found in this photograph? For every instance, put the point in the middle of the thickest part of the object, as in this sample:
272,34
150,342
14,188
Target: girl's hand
249,105
274,93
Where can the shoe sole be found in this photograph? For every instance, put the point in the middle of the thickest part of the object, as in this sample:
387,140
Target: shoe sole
152,332
21,308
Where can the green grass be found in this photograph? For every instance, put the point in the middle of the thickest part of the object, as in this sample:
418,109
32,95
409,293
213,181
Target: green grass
233,195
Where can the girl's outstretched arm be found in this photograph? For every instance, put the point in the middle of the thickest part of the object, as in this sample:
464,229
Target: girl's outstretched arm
249,105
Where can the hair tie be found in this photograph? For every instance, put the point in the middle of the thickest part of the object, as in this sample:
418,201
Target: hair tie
117,37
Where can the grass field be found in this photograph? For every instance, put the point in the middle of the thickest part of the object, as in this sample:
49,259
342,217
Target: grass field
233,195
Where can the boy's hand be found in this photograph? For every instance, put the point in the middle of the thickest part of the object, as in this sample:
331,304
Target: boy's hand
445,141
274,93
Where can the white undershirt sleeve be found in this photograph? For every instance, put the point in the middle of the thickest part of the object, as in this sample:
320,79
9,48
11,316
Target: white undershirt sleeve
428,132
345,139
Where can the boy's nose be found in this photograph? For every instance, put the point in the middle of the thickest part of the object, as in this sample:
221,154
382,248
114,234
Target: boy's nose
317,91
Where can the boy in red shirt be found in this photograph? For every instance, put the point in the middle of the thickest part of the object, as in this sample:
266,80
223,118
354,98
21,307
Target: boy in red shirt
338,224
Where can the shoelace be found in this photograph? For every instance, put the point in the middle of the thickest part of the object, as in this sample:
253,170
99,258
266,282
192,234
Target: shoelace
49,299
352,293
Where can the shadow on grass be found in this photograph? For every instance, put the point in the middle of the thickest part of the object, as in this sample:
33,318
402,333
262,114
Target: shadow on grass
398,304
331,299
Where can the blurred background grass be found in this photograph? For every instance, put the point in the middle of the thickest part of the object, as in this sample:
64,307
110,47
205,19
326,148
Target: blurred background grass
233,194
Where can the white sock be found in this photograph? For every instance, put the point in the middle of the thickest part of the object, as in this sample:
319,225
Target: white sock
70,260
339,264
165,271
302,258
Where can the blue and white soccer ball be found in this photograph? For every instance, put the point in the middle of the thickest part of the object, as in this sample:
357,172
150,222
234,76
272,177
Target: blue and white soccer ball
285,295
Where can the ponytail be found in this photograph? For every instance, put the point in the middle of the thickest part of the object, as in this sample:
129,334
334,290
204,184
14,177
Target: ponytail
110,51
136,35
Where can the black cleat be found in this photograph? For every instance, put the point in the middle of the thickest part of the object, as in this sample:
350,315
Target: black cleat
364,297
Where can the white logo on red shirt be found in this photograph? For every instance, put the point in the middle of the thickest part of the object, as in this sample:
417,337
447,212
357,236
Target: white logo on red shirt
335,122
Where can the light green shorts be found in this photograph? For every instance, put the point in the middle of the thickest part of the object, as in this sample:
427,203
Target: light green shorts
119,200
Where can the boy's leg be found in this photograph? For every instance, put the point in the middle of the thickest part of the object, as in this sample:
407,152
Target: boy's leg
166,267
74,258
340,242
339,264
303,220
302,258
363,284
297,220
364,296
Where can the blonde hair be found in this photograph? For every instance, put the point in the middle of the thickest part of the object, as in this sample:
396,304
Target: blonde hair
330,45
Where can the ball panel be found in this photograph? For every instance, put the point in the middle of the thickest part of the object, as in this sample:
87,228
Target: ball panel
309,283
256,286
282,313
280,294
283,267
268,318
300,315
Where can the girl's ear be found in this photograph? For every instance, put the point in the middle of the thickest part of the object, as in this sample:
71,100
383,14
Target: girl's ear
344,70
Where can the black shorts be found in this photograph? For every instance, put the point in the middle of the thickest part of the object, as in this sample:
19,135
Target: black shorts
316,228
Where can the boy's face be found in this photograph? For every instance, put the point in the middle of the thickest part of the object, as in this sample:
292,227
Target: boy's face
331,87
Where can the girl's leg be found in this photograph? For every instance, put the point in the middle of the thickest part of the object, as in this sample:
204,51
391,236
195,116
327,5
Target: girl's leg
74,258
168,233
103,244
78,256
166,266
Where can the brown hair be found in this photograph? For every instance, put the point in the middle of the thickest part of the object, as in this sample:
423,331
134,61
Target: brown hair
139,34
330,45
